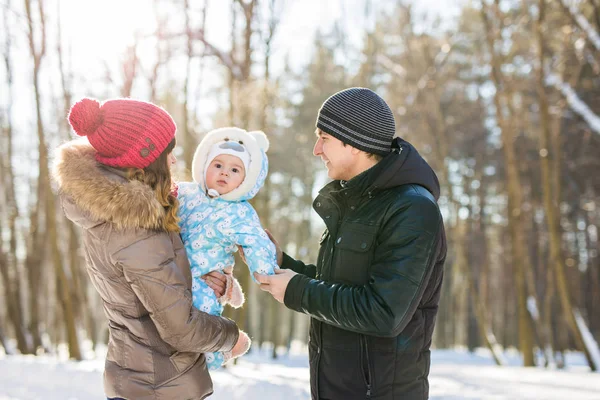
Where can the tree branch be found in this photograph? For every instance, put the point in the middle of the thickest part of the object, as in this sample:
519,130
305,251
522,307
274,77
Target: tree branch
225,57
582,23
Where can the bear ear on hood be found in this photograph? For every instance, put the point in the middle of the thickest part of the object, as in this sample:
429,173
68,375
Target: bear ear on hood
261,139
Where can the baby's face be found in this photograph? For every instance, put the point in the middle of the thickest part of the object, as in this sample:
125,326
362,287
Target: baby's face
225,173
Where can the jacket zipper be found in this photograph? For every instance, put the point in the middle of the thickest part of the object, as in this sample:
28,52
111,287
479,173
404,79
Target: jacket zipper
319,344
367,374
327,260
320,341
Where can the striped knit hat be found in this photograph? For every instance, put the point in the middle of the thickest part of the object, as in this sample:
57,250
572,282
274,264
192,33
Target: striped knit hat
360,118
125,133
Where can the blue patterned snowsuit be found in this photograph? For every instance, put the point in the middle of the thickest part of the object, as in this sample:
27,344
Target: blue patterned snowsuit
211,229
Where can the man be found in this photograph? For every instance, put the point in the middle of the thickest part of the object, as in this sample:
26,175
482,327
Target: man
373,294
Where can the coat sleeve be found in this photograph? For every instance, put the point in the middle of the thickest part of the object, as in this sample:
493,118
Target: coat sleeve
403,262
149,266
298,266
259,251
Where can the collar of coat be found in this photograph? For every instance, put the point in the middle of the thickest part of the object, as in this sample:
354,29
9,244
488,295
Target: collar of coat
404,165
103,193
371,180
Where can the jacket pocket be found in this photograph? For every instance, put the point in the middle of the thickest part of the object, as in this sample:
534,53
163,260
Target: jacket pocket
180,364
340,374
354,247
182,361
383,364
133,358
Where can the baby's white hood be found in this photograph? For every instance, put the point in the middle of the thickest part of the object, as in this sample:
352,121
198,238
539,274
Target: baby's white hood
255,142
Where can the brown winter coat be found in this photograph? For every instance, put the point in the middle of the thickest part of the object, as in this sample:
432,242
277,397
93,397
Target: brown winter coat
157,338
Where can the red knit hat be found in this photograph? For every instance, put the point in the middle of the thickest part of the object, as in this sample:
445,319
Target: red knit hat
124,132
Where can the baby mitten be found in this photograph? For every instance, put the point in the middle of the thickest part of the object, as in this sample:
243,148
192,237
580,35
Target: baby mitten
241,347
234,296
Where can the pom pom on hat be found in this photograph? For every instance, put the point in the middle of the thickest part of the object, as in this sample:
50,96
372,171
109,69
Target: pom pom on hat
86,116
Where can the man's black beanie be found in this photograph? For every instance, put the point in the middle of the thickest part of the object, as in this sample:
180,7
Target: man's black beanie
360,118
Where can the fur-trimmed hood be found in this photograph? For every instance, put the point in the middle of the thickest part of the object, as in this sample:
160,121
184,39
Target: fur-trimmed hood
255,143
94,193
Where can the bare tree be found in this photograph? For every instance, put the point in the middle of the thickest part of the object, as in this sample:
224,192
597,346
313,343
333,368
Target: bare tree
9,265
551,196
520,258
44,186
188,133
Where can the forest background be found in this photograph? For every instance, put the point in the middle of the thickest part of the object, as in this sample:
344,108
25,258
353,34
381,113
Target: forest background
500,96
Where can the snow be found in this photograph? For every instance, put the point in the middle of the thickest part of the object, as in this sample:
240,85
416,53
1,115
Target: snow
588,340
464,376
584,24
574,101
532,308
454,375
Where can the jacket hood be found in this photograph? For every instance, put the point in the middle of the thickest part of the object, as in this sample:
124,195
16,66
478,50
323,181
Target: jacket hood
94,193
256,144
403,165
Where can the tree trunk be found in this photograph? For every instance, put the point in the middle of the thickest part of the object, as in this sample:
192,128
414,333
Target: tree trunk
13,307
35,252
460,285
551,197
44,183
188,135
9,264
479,294
231,76
520,257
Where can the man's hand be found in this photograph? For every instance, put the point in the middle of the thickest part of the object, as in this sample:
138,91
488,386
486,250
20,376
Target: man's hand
275,284
217,281
277,247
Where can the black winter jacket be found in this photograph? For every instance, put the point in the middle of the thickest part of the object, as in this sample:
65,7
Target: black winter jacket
373,294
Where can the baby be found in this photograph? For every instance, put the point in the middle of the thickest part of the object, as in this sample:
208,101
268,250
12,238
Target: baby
229,167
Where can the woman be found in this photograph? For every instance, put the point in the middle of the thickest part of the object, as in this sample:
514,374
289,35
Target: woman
117,187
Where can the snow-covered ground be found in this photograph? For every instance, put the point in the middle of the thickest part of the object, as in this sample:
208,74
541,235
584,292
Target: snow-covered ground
454,375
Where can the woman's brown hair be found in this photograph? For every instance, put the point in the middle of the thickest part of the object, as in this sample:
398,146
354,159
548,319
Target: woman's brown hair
158,176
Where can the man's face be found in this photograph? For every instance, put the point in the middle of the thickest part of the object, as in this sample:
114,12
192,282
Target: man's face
225,173
339,160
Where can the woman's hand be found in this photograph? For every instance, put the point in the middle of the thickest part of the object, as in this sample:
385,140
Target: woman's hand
217,281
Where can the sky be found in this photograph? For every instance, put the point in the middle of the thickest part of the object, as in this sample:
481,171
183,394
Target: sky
455,375
98,30
96,34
